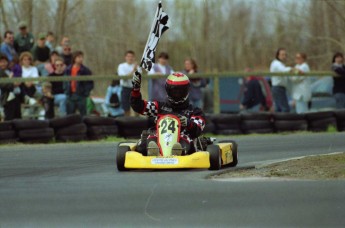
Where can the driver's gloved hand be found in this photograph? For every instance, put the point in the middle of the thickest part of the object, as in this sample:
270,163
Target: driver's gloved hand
136,81
184,120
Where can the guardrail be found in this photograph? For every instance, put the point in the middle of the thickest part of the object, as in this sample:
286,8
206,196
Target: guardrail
214,76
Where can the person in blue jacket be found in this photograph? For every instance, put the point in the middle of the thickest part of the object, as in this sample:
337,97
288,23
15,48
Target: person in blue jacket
113,99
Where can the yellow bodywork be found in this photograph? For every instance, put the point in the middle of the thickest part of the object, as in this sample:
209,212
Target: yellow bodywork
196,160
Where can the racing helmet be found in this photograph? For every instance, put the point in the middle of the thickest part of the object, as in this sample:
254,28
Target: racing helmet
177,88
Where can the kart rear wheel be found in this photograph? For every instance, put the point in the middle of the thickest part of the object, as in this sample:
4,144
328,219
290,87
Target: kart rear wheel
121,157
215,158
234,152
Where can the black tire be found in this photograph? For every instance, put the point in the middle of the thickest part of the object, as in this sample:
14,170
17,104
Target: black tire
30,124
228,132
99,121
290,125
260,131
102,130
226,118
121,157
234,152
71,138
209,127
6,126
340,115
255,124
256,116
77,129
323,123
132,122
65,121
288,116
228,126
215,157
319,115
5,135
341,126
36,134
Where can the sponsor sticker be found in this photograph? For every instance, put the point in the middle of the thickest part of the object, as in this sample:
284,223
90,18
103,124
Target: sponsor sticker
164,161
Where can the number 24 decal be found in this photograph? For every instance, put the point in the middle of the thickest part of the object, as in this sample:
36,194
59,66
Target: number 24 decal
171,127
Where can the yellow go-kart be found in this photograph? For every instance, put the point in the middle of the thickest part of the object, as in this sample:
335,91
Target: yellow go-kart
208,154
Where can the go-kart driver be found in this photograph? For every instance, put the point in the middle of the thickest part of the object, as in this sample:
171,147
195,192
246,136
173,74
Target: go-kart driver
177,103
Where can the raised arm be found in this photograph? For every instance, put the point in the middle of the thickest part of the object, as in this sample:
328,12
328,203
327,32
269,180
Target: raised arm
147,108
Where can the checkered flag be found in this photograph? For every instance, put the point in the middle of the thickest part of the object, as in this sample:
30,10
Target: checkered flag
159,26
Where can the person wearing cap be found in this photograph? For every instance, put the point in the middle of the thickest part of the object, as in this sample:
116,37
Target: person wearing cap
24,40
7,47
41,53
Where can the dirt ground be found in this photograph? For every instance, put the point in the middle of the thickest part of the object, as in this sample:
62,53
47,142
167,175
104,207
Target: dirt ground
313,167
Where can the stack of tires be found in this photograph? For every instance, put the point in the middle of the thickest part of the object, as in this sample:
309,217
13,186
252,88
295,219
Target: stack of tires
227,124
289,122
340,115
69,128
7,133
101,127
320,121
131,127
33,131
257,123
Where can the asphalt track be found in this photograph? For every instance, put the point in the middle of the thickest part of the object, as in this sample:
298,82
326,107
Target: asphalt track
77,185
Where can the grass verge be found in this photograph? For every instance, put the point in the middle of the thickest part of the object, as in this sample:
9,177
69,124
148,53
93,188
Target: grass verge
320,167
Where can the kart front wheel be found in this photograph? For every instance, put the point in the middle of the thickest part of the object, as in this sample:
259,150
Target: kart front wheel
215,158
121,157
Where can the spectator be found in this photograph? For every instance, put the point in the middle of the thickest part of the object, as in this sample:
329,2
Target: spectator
279,83
339,82
7,47
196,85
28,71
301,89
162,68
127,69
24,41
77,91
9,93
49,67
41,53
47,100
57,87
253,99
113,101
65,41
50,41
67,54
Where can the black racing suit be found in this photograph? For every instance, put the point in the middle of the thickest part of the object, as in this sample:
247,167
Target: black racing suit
156,109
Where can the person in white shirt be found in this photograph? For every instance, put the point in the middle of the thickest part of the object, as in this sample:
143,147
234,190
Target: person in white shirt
156,86
28,71
279,84
301,89
127,69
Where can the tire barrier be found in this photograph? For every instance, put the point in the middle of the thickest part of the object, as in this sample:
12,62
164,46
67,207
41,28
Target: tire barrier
74,128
